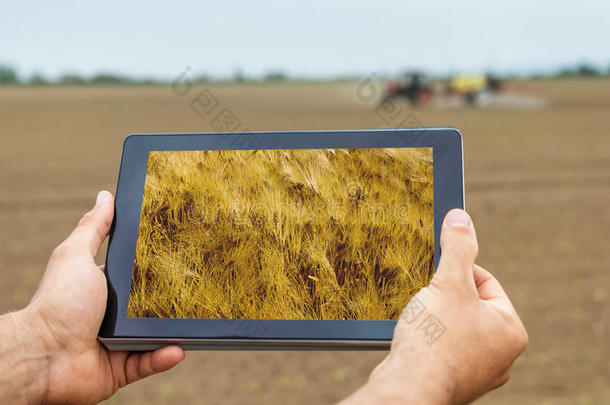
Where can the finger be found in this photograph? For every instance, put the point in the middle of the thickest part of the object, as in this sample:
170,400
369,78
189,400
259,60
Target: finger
117,363
490,289
459,247
94,226
142,365
487,285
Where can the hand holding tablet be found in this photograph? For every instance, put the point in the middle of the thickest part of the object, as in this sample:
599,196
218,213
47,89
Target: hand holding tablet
455,340
276,240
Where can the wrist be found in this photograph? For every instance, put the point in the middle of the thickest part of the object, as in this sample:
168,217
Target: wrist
25,352
410,381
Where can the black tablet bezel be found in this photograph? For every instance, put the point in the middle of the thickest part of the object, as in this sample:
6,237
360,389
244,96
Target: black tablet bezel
448,193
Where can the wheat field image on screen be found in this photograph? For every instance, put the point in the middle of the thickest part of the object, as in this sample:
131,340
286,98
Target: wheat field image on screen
326,234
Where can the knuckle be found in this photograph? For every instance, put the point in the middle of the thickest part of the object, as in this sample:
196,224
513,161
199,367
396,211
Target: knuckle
472,246
107,222
504,378
522,339
438,281
464,247
87,219
461,254
61,251
519,338
466,250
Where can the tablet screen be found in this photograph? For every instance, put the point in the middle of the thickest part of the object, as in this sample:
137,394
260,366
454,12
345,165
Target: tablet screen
326,234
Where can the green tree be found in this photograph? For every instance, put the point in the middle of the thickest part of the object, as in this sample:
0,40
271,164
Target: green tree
38,79
71,79
108,78
202,78
586,70
238,76
275,76
8,75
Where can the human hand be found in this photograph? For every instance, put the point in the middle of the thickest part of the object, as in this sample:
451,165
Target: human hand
457,338
64,318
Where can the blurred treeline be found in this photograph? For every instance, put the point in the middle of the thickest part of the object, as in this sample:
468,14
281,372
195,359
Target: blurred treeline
10,76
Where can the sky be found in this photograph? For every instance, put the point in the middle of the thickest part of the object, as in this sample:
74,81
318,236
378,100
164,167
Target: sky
309,38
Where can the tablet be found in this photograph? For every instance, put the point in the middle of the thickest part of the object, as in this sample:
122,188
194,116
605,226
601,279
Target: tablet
275,240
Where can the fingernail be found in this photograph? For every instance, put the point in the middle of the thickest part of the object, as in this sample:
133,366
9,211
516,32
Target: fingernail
100,197
457,218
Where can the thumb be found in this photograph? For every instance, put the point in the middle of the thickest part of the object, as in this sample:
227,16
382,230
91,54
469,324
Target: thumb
459,248
93,227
